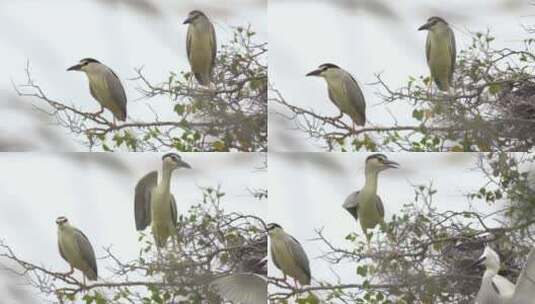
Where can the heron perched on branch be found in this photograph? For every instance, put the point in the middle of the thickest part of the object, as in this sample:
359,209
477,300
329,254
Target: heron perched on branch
365,205
154,204
201,46
75,248
440,51
344,92
104,86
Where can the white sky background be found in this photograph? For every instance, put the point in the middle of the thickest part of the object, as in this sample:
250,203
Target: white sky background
367,37
55,34
307,191
96,192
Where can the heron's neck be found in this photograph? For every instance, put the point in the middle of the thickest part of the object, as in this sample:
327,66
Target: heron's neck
370,185
491,271
165,184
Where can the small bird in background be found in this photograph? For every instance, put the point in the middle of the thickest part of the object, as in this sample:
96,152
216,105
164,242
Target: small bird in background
104,86
75,248
201,46
288,255
440,52
344,92
365,205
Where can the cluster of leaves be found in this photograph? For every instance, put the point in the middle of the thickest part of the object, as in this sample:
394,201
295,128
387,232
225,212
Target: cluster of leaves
210,243
491,107
230,115
427,252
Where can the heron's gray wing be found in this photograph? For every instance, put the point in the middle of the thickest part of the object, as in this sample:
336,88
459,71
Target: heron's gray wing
300,256
213,46
428,47
174,214
142,199
357,99
453,52
117,91
61,251
87,253
245,288
352,205
380,207
525,285
188,42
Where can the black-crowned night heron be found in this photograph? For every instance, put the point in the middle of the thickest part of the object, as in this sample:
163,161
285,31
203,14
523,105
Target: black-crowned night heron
365,205
344,92
496,289
440,51
248,285
104,86
201,46
154,204
288,255
76,249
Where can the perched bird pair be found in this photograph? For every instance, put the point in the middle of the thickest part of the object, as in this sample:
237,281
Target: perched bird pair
496,289
153,205
365,205
107,89
346,94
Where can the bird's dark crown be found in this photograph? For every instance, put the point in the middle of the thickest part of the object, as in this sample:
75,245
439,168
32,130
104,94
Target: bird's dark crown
88,60
196,13
61,220
174,156
378,156
435,19
272,226
327,66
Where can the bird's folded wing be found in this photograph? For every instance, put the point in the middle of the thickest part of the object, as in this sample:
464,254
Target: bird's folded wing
244,288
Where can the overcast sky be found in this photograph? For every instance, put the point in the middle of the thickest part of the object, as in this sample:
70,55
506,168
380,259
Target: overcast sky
367,37
96,191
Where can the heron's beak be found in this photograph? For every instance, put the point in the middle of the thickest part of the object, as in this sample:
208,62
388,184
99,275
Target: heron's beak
391,164
424,27
187,21
478,262
77,67
184,164
314,73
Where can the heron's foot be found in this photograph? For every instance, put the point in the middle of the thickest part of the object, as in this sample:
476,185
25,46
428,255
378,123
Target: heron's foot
70,272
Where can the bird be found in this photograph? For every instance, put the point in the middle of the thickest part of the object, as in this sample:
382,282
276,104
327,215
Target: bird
248,285
104,86
365,205
344,92
440,51
75,248
496,289
288,255
201,46
154,204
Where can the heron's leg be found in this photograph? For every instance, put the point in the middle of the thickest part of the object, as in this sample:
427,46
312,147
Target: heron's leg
83,280
70,271
430,86
296,284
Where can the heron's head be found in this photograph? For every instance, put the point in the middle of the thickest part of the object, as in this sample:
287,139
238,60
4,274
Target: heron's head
174,161
490,259
273,228
62,221
194,17
324,70
379,162
84,65
434,23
